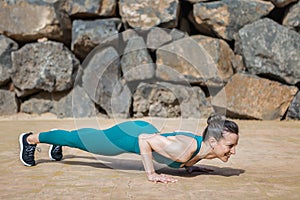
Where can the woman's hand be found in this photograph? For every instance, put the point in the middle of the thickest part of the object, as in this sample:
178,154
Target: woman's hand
161,178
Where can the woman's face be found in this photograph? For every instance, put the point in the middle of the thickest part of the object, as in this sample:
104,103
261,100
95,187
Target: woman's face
226,146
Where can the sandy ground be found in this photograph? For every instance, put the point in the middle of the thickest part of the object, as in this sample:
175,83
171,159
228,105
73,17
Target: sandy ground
266,166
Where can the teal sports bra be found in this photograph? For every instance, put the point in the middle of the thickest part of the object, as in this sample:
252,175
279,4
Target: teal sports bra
171,163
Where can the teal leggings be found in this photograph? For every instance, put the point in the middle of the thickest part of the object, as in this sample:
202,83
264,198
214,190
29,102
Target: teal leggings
121,138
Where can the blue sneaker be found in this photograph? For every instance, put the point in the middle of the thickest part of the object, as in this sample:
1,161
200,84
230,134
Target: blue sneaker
26,150
55,152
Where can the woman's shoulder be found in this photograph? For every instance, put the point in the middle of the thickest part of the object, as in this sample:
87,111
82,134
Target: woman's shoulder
187,133
183,136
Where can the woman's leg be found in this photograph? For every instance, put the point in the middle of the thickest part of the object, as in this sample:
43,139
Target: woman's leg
60,137
87,139
84,139
118,139
56,138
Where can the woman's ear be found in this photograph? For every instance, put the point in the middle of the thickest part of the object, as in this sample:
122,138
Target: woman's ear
212,142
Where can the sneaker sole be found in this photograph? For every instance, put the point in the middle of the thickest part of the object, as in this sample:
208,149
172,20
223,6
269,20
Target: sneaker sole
21,150
49,153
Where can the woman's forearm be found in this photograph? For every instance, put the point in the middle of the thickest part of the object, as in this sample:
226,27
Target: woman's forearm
146,153
147,158
148,163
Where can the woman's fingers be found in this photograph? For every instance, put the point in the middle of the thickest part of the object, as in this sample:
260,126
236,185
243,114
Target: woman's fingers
161,178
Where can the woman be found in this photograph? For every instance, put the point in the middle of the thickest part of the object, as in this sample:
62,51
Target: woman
176,149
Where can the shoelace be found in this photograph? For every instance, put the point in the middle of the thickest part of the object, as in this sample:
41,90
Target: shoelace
57,149
30,150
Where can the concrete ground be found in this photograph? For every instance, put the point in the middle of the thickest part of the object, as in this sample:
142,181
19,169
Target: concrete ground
266,166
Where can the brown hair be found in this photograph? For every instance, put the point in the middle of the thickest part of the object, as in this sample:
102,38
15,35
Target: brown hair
216,127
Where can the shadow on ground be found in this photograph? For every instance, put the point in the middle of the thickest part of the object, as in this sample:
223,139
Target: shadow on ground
129,164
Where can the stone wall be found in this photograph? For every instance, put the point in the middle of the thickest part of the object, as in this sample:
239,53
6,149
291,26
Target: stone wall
164,58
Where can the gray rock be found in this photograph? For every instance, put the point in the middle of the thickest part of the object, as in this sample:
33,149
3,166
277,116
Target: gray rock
6,47
157,37
101,80
147,14
63,105
100,74
292,17
185,60
39,2
82,105
225,18
270,49
155,100
120,103
220,52
238,64
88,8
8,103
282,3
116,41
30,20
51,66
127,34
294,109
75,103
86,35
197,1
251,97
177,34
167,100
38,104
136,62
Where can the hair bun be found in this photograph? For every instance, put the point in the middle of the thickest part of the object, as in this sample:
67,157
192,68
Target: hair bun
215,118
